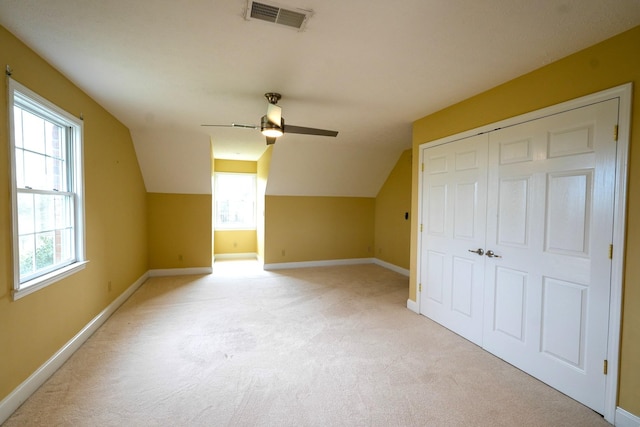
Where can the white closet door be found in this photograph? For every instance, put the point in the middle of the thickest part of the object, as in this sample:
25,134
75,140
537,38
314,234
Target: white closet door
453,210
550,219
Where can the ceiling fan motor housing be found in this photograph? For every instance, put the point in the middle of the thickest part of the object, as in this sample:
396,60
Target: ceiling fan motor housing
268,128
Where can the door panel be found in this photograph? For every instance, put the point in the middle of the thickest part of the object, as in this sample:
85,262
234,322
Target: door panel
510,308
568,209
563,321
454,203
513,211
565,215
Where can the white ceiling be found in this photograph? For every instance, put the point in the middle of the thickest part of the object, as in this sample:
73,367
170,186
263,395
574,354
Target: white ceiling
365,68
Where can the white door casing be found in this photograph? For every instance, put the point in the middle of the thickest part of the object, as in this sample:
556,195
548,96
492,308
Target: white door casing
518,219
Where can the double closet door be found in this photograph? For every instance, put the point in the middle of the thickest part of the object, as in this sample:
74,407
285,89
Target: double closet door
517,225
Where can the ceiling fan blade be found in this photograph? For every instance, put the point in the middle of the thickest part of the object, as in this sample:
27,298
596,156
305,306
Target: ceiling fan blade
235,125
274,114
271,140
309,131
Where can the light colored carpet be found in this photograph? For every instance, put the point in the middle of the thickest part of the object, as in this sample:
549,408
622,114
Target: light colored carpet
333,346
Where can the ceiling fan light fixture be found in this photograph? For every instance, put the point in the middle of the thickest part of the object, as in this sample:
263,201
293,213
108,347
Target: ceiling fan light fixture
270,129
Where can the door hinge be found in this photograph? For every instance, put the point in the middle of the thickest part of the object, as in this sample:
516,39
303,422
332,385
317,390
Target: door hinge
422,167
610,251
421,228
615,133
605,367
419,287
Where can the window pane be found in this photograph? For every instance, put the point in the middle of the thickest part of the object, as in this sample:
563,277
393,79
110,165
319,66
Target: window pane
26,249
235,196
64,247
44,250
33,129
44,212
26,215
55,174
63,211
34,171
53,134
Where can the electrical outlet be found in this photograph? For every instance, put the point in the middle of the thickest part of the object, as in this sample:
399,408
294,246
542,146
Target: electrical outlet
180,257
283,252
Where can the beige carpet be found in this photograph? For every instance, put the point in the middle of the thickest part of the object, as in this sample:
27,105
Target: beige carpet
332,346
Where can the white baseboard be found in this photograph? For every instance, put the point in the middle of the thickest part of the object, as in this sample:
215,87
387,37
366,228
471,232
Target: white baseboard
248,255
333,262
324,263
9,404
179,271
413,306
391,267
626,419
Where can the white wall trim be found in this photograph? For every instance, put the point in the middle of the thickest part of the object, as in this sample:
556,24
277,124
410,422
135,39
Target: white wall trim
624,93
248,255
413,306
626,419
9,404
334,262
391,267
180,271
324,263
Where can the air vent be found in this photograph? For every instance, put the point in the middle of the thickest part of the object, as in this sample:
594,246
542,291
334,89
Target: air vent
291,17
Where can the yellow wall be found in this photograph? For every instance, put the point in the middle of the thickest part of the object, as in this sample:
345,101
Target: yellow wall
179,230
235,241
239,166
263,167
34,327
392,230
318,228
607,64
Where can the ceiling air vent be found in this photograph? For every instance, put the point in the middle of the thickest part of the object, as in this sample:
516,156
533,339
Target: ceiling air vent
270,12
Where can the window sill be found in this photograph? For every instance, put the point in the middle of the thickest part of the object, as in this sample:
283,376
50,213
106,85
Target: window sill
234,229
48,279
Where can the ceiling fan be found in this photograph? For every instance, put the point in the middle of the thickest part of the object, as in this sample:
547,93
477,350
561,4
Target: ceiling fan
272,124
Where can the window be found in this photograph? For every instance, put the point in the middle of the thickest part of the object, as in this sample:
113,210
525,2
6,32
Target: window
235,201
47,196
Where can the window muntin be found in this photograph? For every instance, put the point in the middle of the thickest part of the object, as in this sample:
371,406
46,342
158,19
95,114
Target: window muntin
235,201
47,197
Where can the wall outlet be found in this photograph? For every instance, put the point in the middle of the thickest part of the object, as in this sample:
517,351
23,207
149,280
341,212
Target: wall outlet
283,252
180,257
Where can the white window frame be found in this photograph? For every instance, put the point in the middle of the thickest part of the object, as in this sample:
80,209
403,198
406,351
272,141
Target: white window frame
217,225
26,99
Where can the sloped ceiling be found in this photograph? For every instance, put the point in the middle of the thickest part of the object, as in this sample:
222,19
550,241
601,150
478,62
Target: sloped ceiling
365,68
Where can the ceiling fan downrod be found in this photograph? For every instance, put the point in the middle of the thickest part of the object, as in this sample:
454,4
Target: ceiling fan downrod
272,97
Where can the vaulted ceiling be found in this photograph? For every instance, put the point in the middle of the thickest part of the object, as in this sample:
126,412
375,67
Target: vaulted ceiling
365,68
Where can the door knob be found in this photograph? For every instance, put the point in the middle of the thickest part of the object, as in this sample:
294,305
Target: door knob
491,254
478,251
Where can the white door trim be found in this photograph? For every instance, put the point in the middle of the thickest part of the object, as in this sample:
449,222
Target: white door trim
624,93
